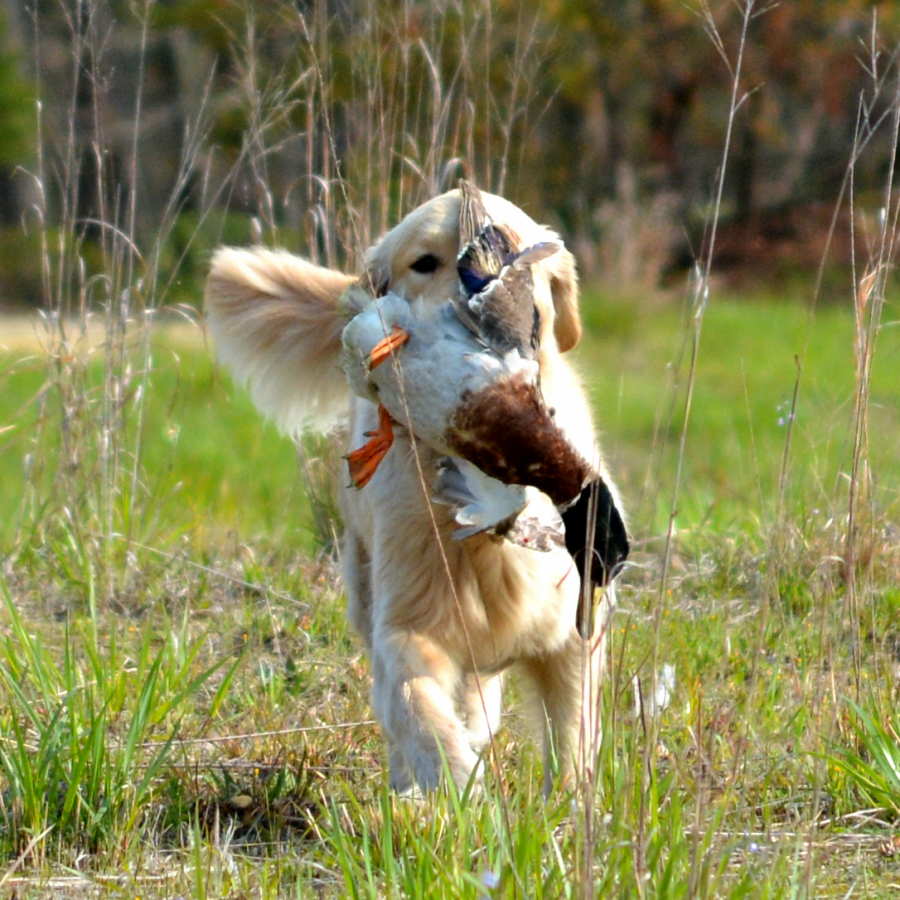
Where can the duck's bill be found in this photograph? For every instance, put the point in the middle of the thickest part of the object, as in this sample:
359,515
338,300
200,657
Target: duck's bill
387,347
364,461
598,541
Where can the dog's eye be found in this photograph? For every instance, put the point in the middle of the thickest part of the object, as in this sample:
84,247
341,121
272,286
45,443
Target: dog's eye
425,264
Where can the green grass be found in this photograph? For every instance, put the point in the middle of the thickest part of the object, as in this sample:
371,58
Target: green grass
170,730
211,465
745,381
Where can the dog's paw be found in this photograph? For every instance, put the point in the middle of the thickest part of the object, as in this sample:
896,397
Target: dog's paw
411,792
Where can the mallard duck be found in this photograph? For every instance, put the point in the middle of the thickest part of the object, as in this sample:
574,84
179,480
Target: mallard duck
471,382
419,369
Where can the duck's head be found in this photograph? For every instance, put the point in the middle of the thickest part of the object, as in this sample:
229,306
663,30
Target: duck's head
418,257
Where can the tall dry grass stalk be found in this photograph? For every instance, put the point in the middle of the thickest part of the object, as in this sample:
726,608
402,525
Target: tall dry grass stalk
103,285
859,536
869,293
858,539
78,494
699,296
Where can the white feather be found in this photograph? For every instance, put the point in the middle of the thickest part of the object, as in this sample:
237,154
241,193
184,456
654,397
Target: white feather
480,502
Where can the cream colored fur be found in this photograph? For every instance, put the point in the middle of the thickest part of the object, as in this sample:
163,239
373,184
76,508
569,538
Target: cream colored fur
437,648
275,322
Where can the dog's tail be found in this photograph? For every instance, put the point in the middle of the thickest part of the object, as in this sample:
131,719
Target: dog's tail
277,325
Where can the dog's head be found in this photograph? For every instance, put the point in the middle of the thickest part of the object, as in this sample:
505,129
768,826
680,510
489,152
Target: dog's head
277,319
417,259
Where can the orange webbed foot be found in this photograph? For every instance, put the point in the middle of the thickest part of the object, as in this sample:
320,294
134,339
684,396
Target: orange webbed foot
363,461
387,346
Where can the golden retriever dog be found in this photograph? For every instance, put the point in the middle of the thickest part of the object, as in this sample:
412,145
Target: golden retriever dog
442,619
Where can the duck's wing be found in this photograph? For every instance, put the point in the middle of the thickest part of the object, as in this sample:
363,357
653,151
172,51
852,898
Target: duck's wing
482,504
504,315
496,297
506,307
484,250
479,502
482,258
478,265
536,253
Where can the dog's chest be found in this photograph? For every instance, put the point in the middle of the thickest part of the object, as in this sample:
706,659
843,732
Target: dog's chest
520,603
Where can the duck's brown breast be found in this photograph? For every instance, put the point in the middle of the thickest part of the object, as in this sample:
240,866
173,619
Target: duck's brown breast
507,431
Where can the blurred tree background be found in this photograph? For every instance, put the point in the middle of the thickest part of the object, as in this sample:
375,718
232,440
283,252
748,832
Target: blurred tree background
314,125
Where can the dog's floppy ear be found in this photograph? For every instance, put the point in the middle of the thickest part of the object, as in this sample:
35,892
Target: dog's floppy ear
564,287
277,324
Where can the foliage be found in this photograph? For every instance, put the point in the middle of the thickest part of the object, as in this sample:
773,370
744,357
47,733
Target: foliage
77,722
628,101
735,770
872,768
16,106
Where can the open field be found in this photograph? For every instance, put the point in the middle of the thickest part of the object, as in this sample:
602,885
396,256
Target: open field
184,713
183,709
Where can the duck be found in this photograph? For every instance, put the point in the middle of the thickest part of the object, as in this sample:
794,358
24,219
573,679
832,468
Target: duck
419,368
467,366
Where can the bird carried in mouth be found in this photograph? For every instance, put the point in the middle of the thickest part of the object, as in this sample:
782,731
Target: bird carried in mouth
420,368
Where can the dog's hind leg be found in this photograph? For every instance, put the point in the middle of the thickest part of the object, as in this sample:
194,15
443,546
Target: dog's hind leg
400,774
401,777
415,682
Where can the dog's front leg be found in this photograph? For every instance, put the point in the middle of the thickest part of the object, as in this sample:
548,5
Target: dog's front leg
567,686
480,701
415,682
357,585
